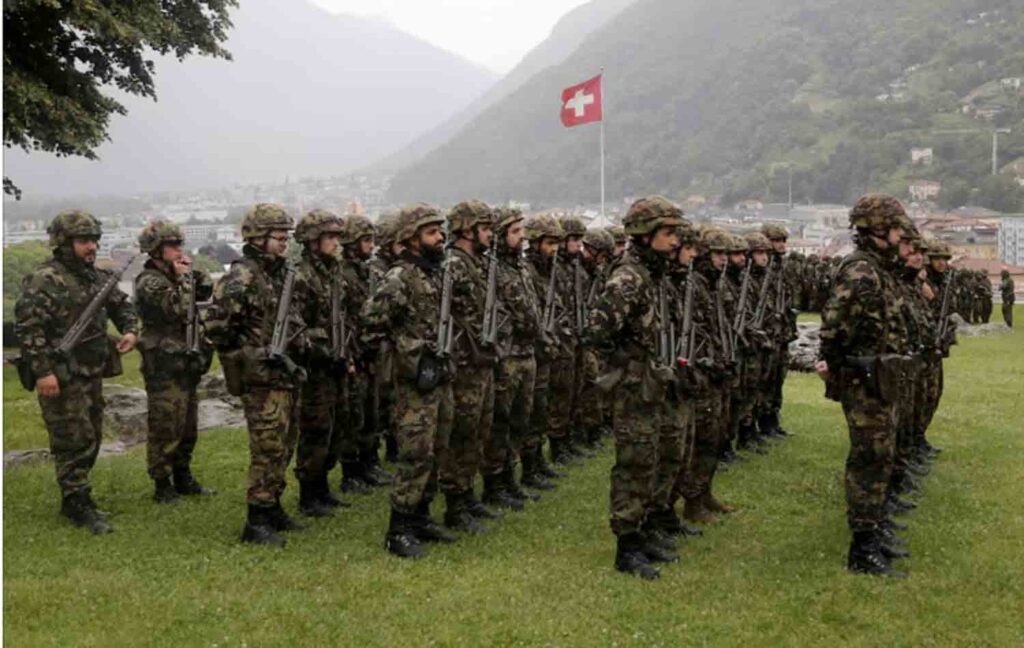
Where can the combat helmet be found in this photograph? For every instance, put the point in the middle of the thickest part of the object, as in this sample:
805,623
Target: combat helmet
355,227
715,239
157,233
316,223
573,226
618,234
599,240
505,217
758,242
737,244
263,218
877,211
938,250
467,214
542,225
1005,274
387,227
71,224
774,232
646,215
412,217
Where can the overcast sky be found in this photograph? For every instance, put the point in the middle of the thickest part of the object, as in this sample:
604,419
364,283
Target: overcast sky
492,33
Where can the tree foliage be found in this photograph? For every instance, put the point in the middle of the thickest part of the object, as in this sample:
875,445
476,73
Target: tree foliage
59,54
19,260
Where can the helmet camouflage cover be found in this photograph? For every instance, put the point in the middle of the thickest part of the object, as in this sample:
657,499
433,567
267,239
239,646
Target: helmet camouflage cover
387,227
618,234
71,224
737,244
877,211
758,242
355,227
412,217
573,226
775,232
938,250
467,214
646,215
599,239
158,232
264,218
505,217
543,225
715,239
317,223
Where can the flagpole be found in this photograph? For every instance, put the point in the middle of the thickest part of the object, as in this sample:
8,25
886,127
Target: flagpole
603,104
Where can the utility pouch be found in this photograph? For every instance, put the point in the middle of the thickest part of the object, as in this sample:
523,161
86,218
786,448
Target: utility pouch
231,365
26,375
112,364
429,373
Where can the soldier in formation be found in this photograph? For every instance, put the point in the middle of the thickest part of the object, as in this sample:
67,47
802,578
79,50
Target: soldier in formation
1006,289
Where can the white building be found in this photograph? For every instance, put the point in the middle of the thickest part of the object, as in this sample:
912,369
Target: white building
921,190
922,156
1011,239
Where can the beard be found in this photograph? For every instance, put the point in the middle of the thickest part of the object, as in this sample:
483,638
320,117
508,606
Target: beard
434,254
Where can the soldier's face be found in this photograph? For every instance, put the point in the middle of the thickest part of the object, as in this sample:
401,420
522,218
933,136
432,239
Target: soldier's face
171,252
779,245
618,249
939,265
277,243
760,258
432,237
85,249
548,247
906,249
687,253
738,259
573,245
914,260
665,240
514,236
328,244
717,259
484,235
365,247
894,236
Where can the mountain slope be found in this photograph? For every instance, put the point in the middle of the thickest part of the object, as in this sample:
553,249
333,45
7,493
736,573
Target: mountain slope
308,93
719,96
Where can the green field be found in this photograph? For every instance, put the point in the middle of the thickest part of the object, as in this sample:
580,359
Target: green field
771,574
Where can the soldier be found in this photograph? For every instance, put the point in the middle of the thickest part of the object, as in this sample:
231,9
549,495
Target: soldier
781,328
858,326
938,280
545,235
590,408
562,429
405,311
246,301
985,296
512,434
70,387
469,225
383,383
321,396
756,346
358,445
731,283
624,327
1006,289
619,236
166,295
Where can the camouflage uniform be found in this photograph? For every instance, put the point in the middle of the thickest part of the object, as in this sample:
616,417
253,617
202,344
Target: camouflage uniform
564,386
624,326
170,371
932,373
382,387
755,347
240,325
53,296
473,385
860,335
780,325
591,403
404,310
1006,289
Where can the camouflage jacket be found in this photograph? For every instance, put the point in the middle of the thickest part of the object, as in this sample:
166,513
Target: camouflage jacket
734,284
539,270
780,320
355,275
162,299
404,312
939,284
705,358
53,296
321,282
566,282
518,308
469,292
624,320
1006,288
720,310
378,267
917,315
862,311
240,321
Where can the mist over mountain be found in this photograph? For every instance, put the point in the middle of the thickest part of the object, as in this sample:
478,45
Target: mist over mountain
308,93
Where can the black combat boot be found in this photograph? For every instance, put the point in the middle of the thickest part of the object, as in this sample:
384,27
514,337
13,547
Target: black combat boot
352,479
668,522
185,483
373,473
164,492
918,469
531,477
779,430
457,516
478,510
258,528
896,506
889,537
323,493
658,547
390,447
765,428
496,495
712,504
400,539
281,521
94,507
747,437
78,508
513,489
866,557
890,523
891,545
630,558
543,467
310,503
426,529
561,453
578,444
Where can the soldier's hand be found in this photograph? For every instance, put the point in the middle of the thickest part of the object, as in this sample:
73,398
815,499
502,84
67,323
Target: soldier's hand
48,386
183,265
126,343
822,368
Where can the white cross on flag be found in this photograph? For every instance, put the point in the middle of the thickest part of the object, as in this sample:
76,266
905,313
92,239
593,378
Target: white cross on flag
581,104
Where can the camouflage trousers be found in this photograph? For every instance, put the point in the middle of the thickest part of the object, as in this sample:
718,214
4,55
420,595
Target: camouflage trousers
709,429
172,423
906,416
778,368
512,432
270,415
561,396
318,408
869,465
931,383
674,447
539,412
74,423
590,400
423,423
744,399
1008,313
350,438
473,397
638,426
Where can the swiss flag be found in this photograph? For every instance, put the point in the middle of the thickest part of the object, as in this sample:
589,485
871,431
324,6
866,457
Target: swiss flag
581,104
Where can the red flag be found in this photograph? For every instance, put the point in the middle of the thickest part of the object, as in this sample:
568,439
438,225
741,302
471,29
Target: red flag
581,104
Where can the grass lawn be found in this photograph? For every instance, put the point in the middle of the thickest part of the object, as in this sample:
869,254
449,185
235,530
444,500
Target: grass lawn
771,574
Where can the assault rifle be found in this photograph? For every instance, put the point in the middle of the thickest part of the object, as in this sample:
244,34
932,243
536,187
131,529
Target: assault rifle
943,329
738,324
724,332
548,317
339,326
444,317
281,337
666,330
762,298
489,329
581,312
688,333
